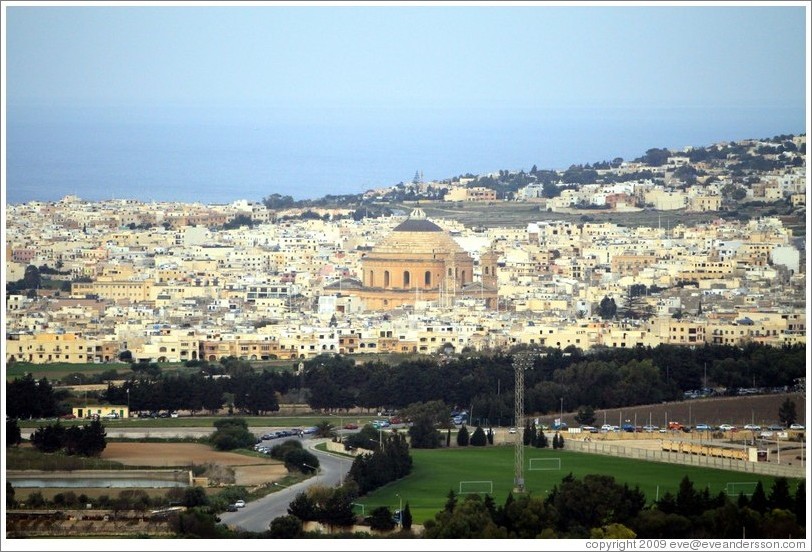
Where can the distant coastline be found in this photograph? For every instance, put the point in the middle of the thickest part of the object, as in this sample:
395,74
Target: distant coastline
187,158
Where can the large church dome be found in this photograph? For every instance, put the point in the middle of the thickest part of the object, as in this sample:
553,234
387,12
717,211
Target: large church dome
417,235
417,262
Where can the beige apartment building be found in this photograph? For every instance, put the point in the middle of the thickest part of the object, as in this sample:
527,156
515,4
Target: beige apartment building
126,290
43,348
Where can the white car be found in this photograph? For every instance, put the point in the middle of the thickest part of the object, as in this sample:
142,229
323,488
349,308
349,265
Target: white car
797,426
726,427
240,504
752,427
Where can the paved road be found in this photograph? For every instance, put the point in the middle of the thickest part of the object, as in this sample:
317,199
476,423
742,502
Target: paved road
257,515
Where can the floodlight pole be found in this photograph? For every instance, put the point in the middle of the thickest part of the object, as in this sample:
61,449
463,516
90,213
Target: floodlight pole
522,361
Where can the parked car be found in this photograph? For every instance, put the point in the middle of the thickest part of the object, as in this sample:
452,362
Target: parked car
726,427
240,504
752,427
310,430
589,429
350,426
73,416
512,430
703,427
174,415
766,434
797,427
650,428
775,427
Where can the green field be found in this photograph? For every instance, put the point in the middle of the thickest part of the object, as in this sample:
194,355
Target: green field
437,471
58,370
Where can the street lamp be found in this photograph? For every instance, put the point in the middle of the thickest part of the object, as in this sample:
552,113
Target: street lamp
311,467
128,402
400,510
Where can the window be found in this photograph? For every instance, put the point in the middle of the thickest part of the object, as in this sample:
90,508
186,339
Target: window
385,278
427,278
406,278
372,278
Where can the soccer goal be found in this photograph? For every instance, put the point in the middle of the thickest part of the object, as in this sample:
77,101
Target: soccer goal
542,464
736,488
476,487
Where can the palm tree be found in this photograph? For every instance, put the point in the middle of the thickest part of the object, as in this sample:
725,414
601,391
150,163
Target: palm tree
325,429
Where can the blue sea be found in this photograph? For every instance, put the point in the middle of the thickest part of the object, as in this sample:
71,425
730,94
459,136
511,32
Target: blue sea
219,155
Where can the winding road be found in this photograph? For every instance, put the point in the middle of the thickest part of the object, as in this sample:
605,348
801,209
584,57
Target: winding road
256,516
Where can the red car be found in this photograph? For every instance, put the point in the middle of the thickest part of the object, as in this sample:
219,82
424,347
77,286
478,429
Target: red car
350,426
67,417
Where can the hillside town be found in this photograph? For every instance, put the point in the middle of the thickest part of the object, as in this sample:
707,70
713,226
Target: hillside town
171,282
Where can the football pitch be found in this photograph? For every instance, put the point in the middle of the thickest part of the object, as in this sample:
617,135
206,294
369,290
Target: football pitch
473,469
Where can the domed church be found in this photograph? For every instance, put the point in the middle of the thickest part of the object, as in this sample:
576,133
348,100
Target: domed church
418,262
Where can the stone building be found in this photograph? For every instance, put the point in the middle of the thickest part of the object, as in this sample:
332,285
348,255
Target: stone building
417,263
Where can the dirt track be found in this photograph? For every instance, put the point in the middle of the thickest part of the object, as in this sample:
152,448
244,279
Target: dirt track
248,470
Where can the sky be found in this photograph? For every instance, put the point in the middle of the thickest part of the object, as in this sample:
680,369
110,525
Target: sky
301,57
169,98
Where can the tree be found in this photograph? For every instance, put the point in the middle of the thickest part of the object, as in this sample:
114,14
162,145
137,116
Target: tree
195,496
10,502
381,519
799,506
758,500
337,509
451,501
529,434
607,308
779,496
49,438
635,306
425,419
462,437
301,460
478,439
303,507
285,527
406,518
586,415
232,433
787,413
93,439
325,429
32,278
656,157
13,435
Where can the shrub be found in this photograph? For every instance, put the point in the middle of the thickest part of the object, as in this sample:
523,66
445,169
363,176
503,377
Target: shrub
479,439
301,460
381,519
281,450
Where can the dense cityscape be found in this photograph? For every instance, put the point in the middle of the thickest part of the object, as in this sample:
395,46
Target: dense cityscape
238,314
180,282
